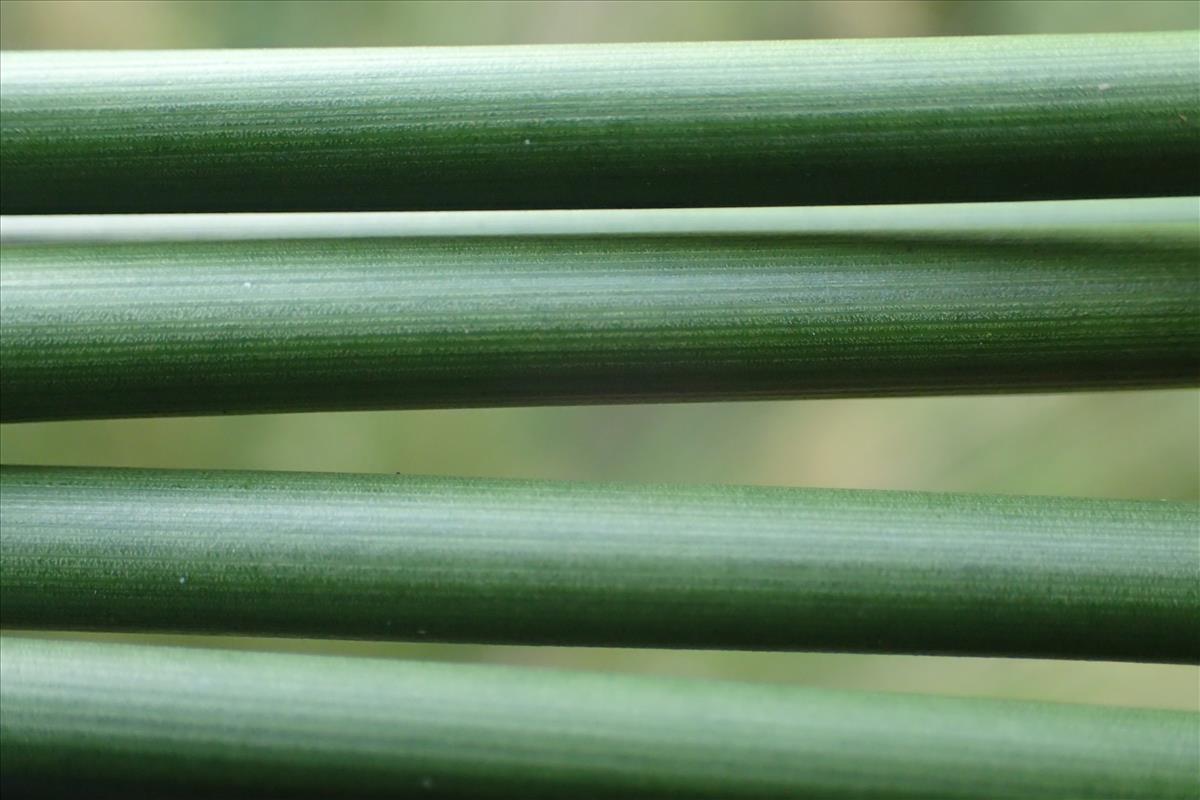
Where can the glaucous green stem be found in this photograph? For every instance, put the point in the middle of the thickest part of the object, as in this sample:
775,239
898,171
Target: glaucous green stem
159,328
628,125
447,559
166,721
1014,221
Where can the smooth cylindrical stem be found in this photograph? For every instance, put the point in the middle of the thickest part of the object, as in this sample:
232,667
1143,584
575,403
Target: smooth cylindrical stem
448,559
171,721
630,125
996,221
135,329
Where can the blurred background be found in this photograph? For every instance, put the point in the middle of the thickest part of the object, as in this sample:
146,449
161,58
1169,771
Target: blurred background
147,24
1120,445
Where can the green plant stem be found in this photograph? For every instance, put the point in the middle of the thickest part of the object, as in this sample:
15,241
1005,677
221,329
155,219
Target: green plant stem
126,719
723,123
1122,218
445,559
135,329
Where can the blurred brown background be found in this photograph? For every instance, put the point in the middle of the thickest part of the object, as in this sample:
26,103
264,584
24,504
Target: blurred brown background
1136,445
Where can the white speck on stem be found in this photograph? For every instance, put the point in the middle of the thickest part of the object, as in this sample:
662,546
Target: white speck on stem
182,579
1104,87
527,142
421,631
247,285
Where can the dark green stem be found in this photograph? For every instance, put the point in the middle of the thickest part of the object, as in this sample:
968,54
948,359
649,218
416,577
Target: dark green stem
723,123
128,720
447,559
135,329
